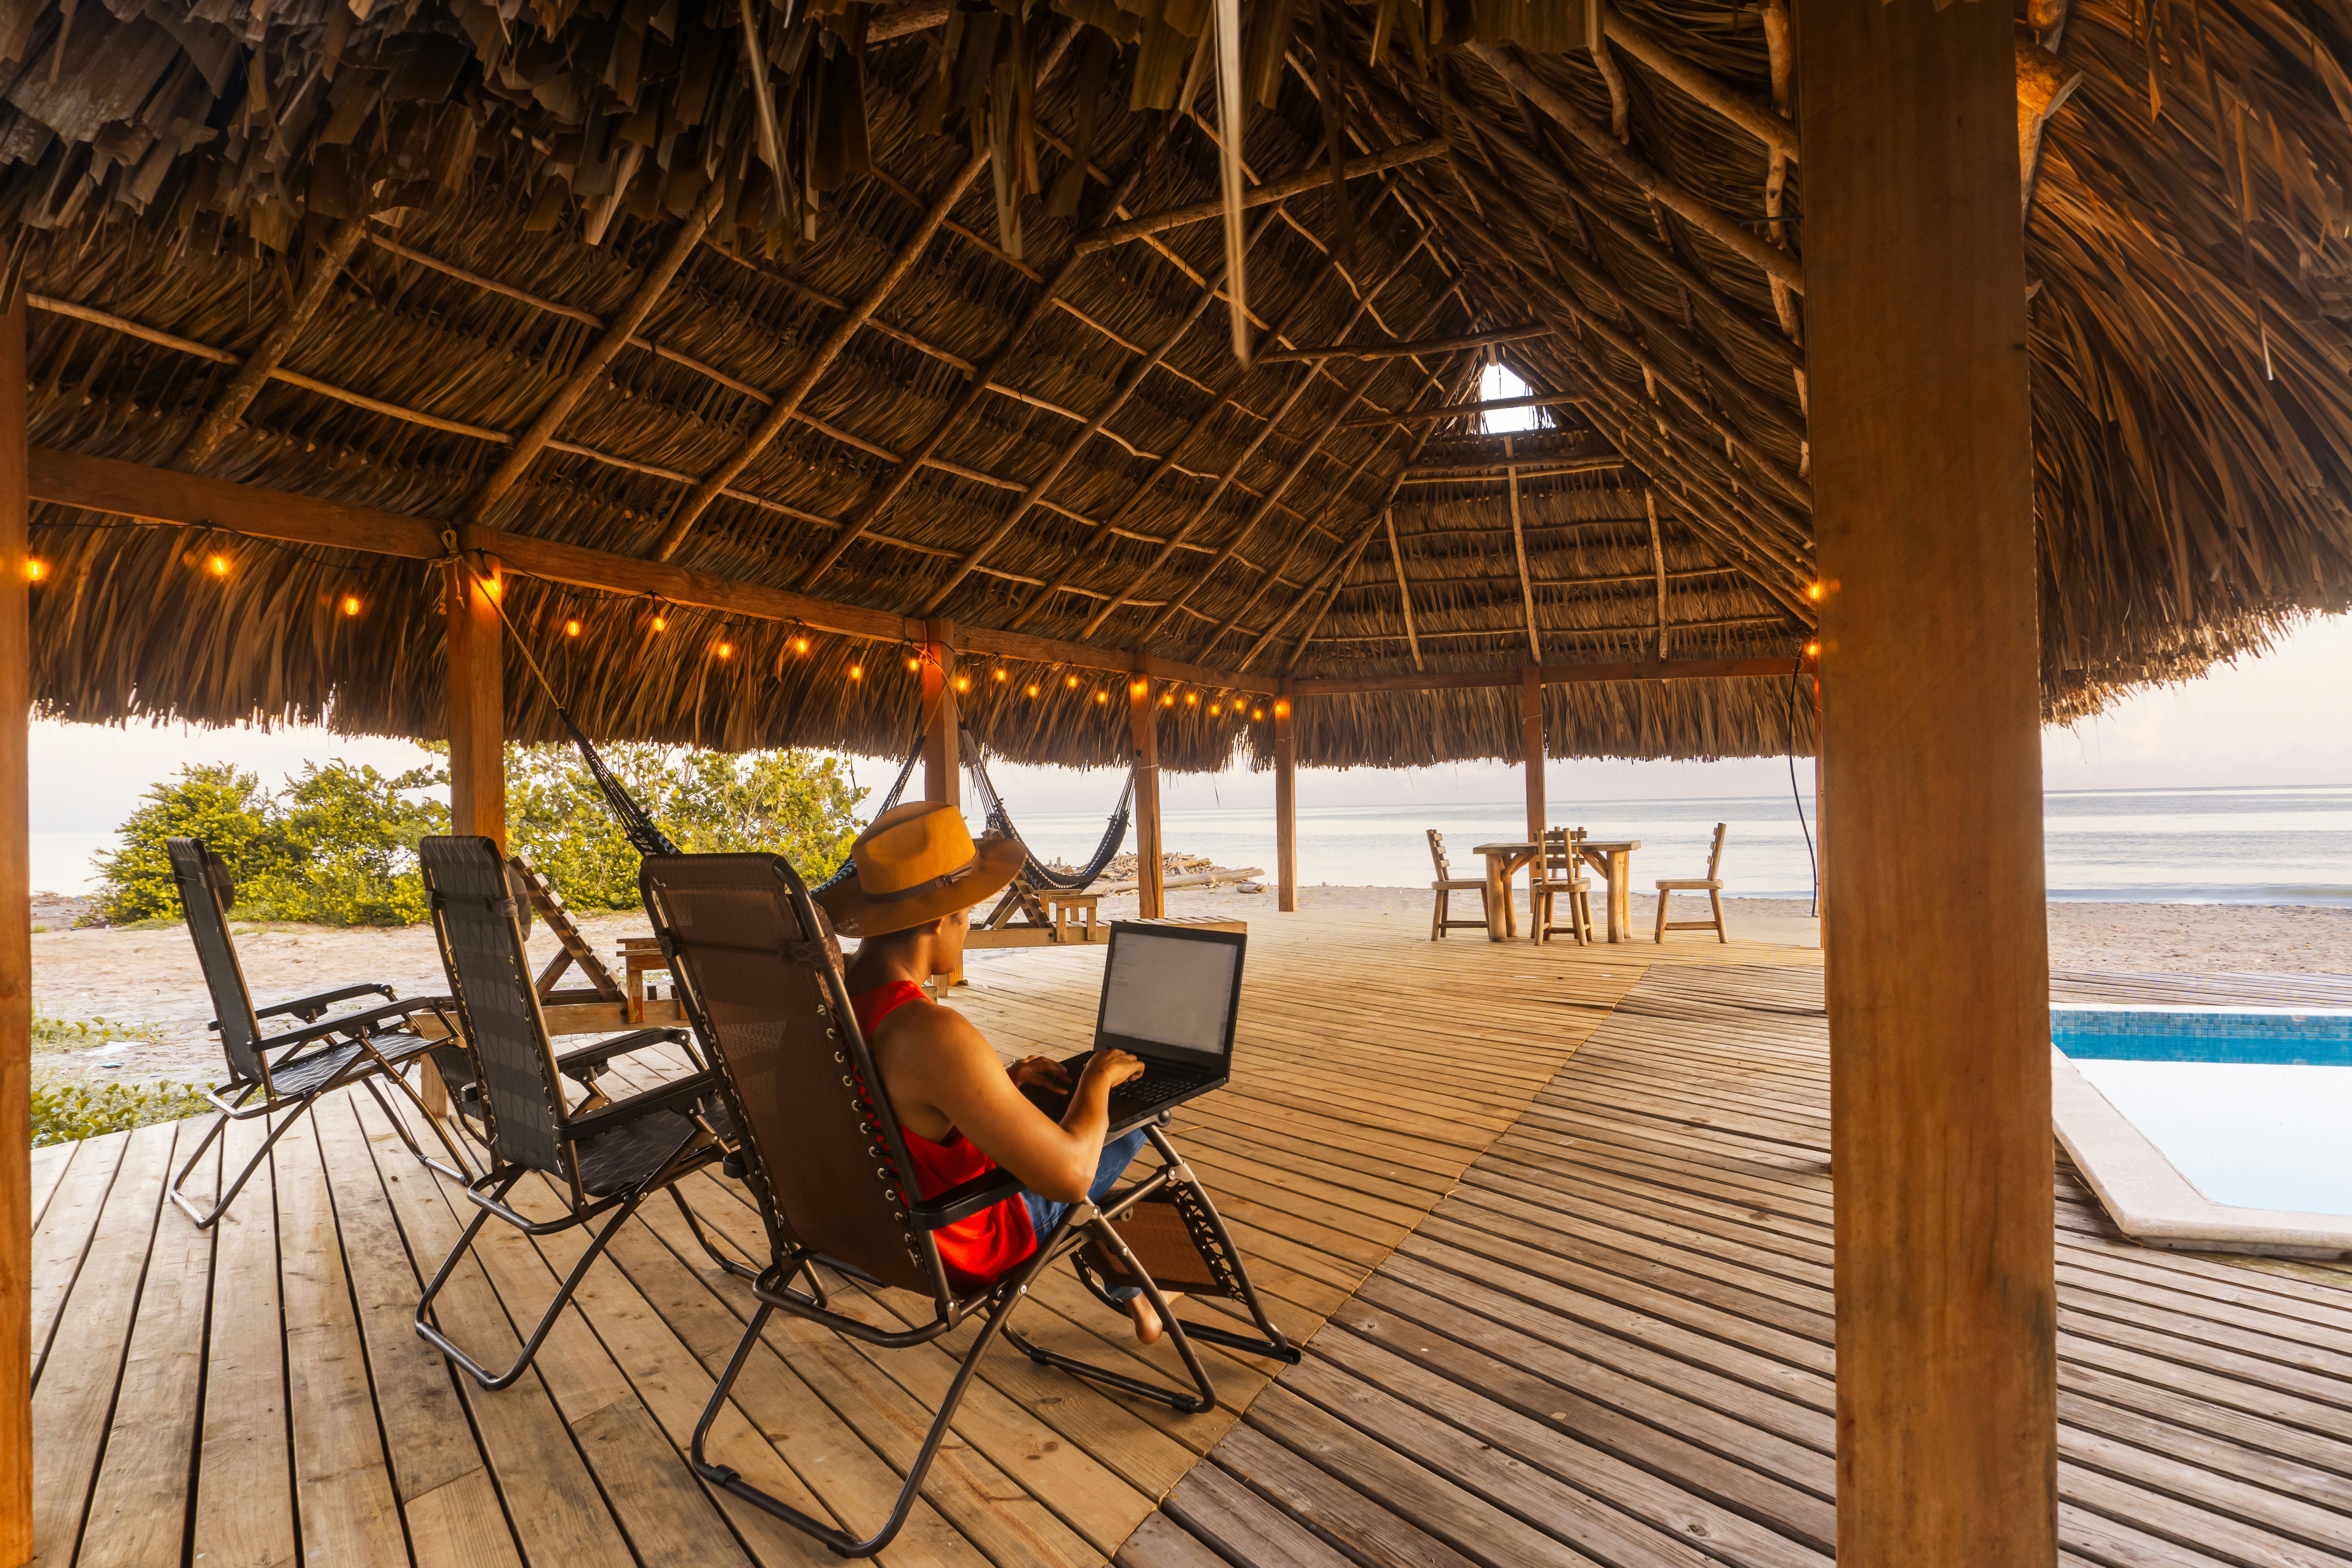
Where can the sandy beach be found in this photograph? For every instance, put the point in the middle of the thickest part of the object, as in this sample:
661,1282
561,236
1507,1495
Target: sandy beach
149,978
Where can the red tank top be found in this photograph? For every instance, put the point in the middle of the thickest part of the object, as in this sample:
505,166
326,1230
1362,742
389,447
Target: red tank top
978,1249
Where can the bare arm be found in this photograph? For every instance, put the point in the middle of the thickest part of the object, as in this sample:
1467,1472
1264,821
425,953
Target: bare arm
942,1074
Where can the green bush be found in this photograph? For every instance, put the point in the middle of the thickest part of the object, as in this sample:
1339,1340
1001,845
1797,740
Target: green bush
53,1034
791,803
228,809
66,1109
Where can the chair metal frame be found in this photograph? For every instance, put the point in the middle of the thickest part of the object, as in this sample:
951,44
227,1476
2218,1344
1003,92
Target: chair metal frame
1441,918
871,1227
325,1054
1711,885
512,1086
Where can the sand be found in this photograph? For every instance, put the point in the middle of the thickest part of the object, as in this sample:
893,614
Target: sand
151,978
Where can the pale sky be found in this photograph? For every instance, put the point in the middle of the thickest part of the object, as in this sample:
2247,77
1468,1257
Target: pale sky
2283,719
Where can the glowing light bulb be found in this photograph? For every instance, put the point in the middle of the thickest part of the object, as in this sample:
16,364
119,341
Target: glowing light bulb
1072,681
36,571
1168,699
351,603
218,565
914,663
1257,712
572,628
800,645
1812,650
1192,700
1813,591
1214,709
1001,674
726,650
964,683
1032,689
661,623
1282,710
857,672
1101,696
1135,688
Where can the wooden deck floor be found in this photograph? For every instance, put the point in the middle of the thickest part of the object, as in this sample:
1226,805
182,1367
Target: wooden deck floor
1613,1343
256,1397
1579,1312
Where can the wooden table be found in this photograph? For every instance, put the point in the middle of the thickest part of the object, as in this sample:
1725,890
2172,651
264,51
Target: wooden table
1614,858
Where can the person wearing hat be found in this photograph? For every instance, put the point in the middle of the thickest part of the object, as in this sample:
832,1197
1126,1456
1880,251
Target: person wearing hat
962,1111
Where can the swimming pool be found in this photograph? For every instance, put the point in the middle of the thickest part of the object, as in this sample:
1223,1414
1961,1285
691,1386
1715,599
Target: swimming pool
2250,1104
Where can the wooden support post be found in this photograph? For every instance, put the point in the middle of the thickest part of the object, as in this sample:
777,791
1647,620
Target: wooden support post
1150,871
942,732
1285,803
16,958
1531,745
1938,1003
478,726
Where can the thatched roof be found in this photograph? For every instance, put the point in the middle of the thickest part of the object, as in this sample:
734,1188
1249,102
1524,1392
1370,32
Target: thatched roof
394,258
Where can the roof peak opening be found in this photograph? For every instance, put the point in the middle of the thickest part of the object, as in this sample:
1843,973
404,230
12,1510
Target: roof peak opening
1497,383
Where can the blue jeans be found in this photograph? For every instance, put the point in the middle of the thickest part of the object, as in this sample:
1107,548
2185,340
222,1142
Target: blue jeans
1045,1214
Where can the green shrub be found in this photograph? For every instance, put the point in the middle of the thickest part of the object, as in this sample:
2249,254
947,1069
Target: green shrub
229,810
791,803
54,1034
66,1109
352,834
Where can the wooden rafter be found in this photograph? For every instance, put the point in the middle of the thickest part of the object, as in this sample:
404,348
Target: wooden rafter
1070,449
1658,559
1460,411
1404,591
1702,86
243,388
1551,675
690,510
1406,351
1519,552
1260,195
592,364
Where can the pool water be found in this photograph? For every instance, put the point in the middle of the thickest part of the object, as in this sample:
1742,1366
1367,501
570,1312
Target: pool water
2251,1105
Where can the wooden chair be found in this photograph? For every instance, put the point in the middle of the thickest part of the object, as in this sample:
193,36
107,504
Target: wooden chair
1711,885
1441,919
1559,870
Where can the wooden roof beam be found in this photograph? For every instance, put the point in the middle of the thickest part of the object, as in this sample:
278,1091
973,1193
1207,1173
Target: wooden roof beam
1259,196
1701,85
164,495
1457,411
221,418
1632,169
1409,351
1534,469
1553,675
591,366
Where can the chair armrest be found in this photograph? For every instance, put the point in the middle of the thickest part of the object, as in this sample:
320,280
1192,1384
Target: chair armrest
966,1199
307,1008
676,1095
593,1057
364,1019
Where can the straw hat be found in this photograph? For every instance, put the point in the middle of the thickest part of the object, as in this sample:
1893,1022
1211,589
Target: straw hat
915,863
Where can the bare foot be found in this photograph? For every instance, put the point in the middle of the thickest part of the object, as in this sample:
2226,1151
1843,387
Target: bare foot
1147,1327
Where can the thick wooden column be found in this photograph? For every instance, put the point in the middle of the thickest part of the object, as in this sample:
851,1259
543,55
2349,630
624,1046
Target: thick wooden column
1285,803
477,709
942,743
1937,960
1531,746
16,960
1150,872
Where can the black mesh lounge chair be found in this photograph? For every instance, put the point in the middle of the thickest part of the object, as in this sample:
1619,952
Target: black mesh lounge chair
760,974
288,1072
602,1157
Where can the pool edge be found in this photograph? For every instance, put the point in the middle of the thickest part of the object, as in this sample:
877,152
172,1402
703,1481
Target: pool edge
2153,1204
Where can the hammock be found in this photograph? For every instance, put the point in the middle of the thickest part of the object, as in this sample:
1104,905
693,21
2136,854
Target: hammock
643,834
1044,878
846,870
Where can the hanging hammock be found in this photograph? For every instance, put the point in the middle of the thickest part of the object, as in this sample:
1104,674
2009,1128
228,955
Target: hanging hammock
846,870
1045,879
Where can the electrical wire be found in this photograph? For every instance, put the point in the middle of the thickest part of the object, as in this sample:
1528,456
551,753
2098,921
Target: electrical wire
1796,678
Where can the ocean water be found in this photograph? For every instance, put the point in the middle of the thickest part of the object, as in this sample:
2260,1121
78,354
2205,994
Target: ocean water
2271,846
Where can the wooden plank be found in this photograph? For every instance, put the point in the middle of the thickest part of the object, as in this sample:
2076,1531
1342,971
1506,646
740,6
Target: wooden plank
244,1516
62,1242
139,1508
343,1484
16,950
73,1402
1923,491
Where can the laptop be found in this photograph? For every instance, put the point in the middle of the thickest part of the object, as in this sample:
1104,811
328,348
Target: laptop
1171,996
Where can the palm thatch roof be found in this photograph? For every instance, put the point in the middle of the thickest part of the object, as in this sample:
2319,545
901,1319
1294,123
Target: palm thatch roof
892,306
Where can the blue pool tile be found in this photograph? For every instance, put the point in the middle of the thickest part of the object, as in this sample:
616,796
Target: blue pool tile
2152,1034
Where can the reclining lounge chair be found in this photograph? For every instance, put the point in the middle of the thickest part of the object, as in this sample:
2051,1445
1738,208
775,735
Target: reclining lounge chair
290,1071
603,1156
760,974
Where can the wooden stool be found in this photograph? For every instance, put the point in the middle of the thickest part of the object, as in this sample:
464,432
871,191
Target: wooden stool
640,955
1063,905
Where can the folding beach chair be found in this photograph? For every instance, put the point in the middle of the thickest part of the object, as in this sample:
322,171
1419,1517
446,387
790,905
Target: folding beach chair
760,974
603,1156
290,1071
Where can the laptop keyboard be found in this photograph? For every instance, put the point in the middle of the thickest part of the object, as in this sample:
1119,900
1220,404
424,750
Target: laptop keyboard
1135,1098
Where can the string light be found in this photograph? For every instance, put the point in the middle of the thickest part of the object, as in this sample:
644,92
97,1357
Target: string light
1214,709
800,645
661,622
1257,712
1032,689
1001,674
1812,650
1814,591
1136,687
1168,699
726,650
351,603
964,683
1281,709
914,663
572,628
857,672
218,565
1192,700
36,571
1100,695
1072,681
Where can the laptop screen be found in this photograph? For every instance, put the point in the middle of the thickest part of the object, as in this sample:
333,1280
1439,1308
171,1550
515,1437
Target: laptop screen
1171,995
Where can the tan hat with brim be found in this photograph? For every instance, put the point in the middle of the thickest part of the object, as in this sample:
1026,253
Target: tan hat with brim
915,863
